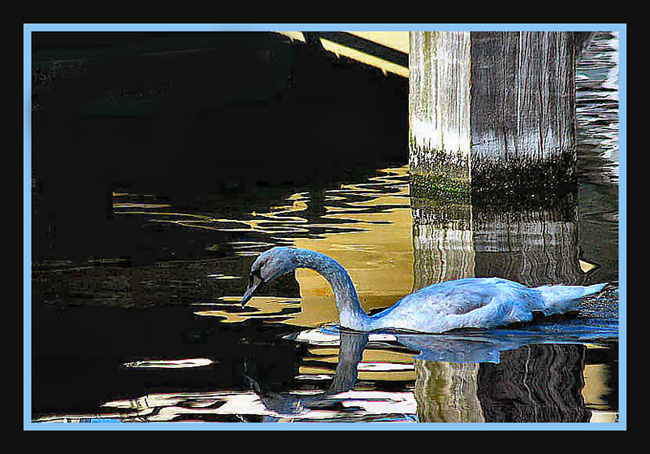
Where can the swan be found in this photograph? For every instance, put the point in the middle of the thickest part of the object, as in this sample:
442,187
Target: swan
462,303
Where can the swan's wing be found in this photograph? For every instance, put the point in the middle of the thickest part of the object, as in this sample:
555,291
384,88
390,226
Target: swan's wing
473,302
465,295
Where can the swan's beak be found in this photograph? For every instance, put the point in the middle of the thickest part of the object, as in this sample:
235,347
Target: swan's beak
254,282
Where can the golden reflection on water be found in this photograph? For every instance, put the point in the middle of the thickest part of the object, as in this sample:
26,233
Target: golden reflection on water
447,392
377,242
393,244
380,245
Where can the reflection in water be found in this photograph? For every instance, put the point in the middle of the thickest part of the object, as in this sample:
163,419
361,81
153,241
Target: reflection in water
533,383
537,383
597,105
447,392
536,372
532,242
537,245
169,364
442,241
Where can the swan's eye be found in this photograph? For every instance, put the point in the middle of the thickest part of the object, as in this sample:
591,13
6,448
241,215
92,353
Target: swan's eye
255,277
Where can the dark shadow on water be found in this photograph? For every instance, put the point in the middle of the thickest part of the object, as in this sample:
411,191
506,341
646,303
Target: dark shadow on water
190,116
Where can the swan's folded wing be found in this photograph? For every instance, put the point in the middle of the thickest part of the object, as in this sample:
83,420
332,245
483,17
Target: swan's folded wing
485,302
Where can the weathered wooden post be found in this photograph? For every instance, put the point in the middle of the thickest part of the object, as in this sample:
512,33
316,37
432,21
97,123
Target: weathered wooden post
492,115
439,111
492,110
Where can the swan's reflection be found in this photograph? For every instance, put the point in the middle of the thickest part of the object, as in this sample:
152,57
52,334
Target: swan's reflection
519,374
471,345
480,346
351,347
455,381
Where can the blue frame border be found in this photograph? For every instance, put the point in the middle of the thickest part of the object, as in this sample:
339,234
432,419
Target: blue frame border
28,424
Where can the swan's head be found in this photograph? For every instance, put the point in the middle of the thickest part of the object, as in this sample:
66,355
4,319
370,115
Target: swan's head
269,266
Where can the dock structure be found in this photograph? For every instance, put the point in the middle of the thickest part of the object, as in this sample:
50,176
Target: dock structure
166,114
186,113
488,111
387,50
492,110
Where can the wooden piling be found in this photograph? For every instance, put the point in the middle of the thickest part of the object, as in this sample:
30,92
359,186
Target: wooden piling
492,110
439,110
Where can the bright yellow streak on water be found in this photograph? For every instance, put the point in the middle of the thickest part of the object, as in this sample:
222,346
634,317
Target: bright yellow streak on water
378,253
379,259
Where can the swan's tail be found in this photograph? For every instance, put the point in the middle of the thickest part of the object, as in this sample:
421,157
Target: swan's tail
563,298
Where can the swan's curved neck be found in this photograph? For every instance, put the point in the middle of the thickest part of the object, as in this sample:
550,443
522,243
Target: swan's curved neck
351,315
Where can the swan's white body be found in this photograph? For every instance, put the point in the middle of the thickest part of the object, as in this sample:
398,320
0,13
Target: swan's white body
463,303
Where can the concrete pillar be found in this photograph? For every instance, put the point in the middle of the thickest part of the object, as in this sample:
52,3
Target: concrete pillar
492,110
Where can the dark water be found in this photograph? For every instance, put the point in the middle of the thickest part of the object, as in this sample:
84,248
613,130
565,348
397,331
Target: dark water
163,340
